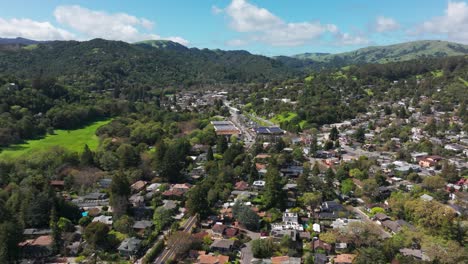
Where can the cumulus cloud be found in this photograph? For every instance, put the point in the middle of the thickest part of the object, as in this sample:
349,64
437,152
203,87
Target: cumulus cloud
384,24
99,24
453,24
260,25
346,39
27,28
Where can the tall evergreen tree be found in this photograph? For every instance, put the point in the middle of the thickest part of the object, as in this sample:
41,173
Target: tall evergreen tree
120,191
334,134
274,194
209,154
87,157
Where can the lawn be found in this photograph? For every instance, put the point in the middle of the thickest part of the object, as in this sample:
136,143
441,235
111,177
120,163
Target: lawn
73,140
463,81
437,73
288,116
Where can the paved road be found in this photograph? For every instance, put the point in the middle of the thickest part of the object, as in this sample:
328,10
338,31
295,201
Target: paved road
383,234
168,253
246,252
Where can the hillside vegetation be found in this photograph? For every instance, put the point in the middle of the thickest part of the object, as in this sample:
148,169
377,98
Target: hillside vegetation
391,53
102,64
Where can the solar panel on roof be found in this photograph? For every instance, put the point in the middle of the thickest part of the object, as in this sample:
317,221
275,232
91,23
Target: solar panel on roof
275,130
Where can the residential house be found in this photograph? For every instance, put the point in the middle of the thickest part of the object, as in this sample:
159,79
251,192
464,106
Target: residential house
344,259
319,244
37,247
103,219
320,258
429,161
212,259
289,217
218,229
454,147
137,200
415,253
222,245
138,186
129,247
285,260
332,210
241,186
142,225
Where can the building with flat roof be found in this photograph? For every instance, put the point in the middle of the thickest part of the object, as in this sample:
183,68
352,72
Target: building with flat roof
225,128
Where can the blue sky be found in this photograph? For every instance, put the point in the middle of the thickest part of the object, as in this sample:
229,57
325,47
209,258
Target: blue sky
269,27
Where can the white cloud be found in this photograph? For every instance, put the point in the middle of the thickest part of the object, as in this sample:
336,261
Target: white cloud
27,28
346,39
216,10
453,24
384,24
99,24
260,25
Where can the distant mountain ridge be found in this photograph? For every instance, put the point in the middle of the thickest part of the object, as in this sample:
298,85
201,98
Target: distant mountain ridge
391,53
18,40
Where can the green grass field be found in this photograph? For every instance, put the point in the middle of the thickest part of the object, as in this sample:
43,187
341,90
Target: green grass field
73,140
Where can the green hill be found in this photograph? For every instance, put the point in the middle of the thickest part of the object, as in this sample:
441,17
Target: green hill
392,53
102,64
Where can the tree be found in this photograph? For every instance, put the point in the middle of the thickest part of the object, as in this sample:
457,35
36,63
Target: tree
347,187
370,255
124,224
209,154
311,199
433,183
357,173
370,189
316,169
246,216
273,195
263,248
303,182
128,156
96,234
313,145
87,157
56,232
120,190
196,201
328,237
334,134
449,172
361,233
221,144
161,218
359,135
10,235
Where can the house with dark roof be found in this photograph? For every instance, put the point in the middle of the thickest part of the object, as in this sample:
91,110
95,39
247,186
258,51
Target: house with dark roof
218,229
320,258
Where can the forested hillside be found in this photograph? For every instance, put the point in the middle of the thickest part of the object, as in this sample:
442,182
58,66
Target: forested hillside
101,64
